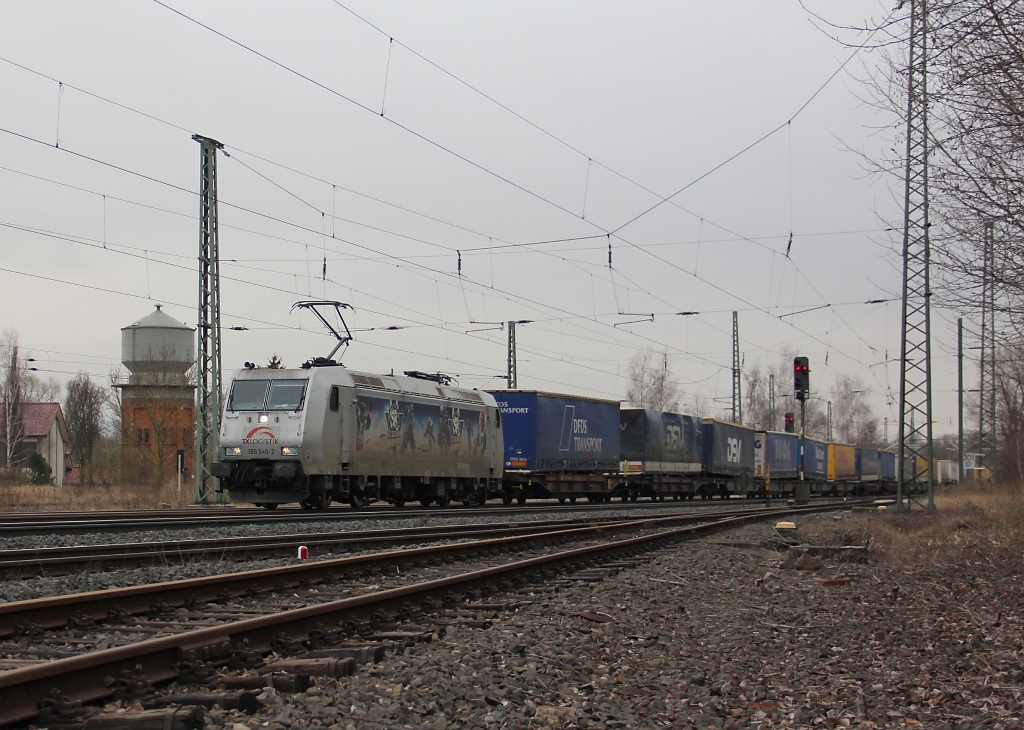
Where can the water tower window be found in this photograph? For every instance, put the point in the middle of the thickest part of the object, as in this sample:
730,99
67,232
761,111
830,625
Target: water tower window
286,395
247,395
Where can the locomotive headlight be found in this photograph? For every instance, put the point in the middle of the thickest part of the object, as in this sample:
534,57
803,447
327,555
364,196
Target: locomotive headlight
232,451
289,451
264,418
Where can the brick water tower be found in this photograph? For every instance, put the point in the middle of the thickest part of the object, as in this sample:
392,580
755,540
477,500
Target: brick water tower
158,399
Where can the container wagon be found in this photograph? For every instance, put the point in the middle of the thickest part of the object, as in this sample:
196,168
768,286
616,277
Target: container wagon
728,460
842,469
815,464
776,461
661,454
869,470
561,446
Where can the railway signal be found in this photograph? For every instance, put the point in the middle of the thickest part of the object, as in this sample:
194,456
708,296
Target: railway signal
790,423
801,377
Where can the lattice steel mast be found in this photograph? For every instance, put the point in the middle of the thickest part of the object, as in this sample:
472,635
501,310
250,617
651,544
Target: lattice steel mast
915,354
208,331
737,395
513,376
987,387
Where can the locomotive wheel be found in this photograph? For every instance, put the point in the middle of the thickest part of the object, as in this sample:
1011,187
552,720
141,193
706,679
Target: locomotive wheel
444,500
358,501
269,505
306,503
324,502
426,501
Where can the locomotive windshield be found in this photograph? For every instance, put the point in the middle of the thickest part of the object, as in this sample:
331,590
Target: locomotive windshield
286,395
248,395
267,395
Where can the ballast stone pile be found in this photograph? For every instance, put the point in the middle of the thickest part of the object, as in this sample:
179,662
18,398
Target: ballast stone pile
706,636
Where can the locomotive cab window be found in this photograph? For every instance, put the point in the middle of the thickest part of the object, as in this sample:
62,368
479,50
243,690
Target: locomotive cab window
247,395
334,398
286,395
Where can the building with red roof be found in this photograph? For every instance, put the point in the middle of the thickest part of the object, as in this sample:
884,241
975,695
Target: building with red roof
45,432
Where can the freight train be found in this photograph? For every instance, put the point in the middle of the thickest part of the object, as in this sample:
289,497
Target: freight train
323,433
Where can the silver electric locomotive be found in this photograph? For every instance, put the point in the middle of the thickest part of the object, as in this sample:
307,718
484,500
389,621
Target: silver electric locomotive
323,433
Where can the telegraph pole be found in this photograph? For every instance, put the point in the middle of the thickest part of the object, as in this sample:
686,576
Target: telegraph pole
771,401
209,350
737,396
915,441
828,429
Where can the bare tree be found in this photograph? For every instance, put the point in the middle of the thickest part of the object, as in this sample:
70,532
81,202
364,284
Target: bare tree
37,390
83,411
1010,402
12,426
853,421
650,382
700,406
976,137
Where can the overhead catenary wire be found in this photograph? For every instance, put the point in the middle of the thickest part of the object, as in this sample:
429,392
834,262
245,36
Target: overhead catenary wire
256,213
407,259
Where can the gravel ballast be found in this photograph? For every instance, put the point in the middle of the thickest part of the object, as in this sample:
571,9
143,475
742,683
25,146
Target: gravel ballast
716,632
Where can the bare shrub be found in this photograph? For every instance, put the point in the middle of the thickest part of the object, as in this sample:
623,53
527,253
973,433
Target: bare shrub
970,524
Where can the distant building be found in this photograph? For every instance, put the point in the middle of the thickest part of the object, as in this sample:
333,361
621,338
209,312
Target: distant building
45,432
158,399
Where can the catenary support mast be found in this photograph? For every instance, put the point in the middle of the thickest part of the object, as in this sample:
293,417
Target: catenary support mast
915,437
987,399
512,377
208,391
737,395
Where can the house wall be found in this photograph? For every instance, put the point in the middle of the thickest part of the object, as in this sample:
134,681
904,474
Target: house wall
159,427
51,447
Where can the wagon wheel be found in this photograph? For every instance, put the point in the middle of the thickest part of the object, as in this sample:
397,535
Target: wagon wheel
444,500
323,502
521,499
357,500
426,501
269,505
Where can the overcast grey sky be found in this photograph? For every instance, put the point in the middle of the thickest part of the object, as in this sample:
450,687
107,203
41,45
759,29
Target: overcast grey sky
387,161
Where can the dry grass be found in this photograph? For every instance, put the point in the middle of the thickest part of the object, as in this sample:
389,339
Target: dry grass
44,498
972,523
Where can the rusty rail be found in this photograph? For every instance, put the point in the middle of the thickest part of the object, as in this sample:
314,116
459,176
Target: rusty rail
87,678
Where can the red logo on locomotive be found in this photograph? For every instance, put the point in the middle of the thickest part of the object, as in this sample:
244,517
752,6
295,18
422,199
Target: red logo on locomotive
260,435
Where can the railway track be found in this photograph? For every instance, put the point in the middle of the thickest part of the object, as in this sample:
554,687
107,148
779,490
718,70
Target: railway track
49,523
127,640
22,563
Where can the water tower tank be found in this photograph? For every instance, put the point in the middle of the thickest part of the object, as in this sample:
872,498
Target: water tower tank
158,343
